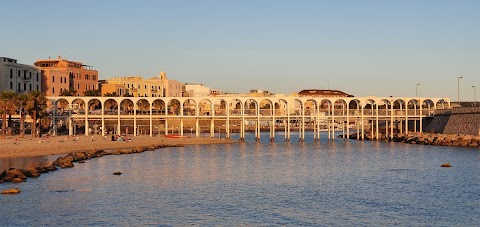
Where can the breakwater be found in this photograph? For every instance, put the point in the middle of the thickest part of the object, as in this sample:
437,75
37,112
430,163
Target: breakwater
16,175
462,120
436,139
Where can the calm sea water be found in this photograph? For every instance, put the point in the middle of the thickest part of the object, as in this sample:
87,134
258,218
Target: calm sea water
340,183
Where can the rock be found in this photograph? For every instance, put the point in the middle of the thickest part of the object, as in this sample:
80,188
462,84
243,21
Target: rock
10,174
32,172
117,152
48,166
91,154
66,162
117,173
103,153
18,180
11,191
79,156
81,161
446,165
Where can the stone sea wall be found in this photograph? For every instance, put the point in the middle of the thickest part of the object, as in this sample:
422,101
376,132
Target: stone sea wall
464,120
436,139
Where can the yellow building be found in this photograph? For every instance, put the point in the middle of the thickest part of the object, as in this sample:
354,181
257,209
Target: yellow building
113,89
159,86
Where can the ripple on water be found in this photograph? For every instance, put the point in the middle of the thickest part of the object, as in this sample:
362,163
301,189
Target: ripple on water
329,183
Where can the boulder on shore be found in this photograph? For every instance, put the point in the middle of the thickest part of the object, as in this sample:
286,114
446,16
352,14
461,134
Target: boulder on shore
12,173
11,191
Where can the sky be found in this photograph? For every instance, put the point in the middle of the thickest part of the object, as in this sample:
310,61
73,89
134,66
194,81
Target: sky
364,48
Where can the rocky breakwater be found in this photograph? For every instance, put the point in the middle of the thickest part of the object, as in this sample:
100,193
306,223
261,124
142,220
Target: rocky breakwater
15,175
436,139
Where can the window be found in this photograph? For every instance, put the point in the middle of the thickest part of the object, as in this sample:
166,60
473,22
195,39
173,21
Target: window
11,74
30,87
24,86
53,90
145,86
18,74
53,78
18,87
37,78
94,77
11,85
78,86
37,87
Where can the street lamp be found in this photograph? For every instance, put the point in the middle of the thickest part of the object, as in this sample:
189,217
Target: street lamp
474,95
458,89
416,90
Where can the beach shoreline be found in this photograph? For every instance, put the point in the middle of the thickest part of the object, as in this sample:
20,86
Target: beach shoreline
16,147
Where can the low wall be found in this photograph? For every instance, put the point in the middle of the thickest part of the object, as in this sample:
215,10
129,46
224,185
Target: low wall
463,120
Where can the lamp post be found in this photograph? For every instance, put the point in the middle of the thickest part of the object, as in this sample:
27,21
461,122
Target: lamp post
416,90
458,89
474,95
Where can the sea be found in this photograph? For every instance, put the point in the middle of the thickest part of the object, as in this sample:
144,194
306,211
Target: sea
326,183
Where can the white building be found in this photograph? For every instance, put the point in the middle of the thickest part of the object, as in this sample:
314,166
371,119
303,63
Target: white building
19,77
197,90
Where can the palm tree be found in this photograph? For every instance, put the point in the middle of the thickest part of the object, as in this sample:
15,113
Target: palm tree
114,94
95,93
143,105
8,105
158,105
22,104
70,92
36,105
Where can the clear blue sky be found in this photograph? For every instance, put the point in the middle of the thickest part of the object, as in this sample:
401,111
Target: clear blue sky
377,48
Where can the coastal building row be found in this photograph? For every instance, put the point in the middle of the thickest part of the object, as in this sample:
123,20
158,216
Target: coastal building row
55,76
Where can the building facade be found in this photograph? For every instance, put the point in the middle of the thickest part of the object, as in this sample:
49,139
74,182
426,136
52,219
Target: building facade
19,77
196,90
159,86
113,89
62,74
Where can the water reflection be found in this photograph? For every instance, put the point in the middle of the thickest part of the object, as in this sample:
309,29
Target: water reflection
327,183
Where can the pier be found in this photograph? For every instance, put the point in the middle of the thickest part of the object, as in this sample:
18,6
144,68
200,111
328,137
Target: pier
194,115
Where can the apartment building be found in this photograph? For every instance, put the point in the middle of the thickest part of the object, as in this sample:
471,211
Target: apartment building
19,77
62,74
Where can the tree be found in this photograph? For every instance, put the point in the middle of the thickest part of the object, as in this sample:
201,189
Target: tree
143,105
69,92
114,94
22,103
36,106
8,106
94,93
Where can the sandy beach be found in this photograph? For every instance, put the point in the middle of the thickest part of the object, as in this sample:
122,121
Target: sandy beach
16,147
